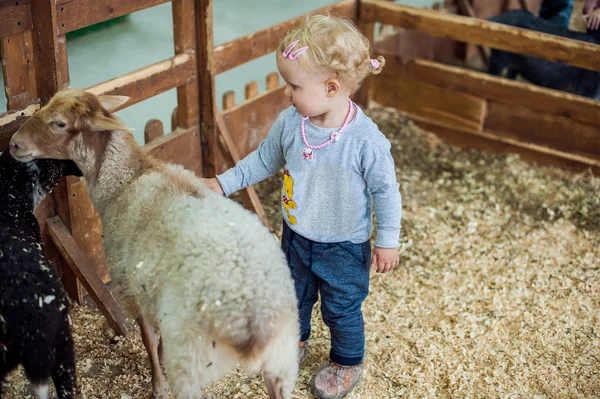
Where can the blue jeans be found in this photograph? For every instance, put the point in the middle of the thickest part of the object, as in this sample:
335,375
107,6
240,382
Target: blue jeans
557,11
340,273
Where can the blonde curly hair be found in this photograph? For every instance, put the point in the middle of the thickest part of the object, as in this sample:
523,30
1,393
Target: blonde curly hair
336,46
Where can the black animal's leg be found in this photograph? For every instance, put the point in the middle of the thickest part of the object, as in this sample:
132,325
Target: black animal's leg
63,373
496,63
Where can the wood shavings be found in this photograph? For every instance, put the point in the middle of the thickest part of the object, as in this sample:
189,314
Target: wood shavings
497,294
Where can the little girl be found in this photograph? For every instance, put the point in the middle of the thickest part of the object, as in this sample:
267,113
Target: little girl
336,163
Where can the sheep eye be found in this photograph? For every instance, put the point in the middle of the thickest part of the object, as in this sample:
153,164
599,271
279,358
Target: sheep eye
60,124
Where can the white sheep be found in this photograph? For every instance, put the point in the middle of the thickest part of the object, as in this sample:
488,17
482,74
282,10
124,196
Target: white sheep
190,263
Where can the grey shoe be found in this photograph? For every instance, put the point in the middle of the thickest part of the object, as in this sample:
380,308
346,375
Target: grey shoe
334,381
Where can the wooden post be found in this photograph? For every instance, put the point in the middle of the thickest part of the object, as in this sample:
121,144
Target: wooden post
51,64
251,90
184,29
272,80
153,130
363,96
206,85
228,99
52,75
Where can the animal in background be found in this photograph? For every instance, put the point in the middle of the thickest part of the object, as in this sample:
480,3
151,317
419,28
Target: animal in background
550,74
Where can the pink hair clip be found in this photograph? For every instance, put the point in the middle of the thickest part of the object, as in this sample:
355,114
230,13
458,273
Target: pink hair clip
375,64
292,55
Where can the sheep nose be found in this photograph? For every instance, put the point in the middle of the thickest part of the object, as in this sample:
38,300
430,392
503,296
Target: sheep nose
14,146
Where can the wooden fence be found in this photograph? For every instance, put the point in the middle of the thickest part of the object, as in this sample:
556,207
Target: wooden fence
466,107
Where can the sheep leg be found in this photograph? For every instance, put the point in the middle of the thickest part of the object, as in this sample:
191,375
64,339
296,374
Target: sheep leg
280,358
151,338
161,358
274,387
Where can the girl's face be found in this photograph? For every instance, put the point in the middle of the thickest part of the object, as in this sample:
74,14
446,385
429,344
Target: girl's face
310,92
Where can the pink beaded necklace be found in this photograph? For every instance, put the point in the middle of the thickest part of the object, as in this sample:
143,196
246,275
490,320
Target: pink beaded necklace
307,152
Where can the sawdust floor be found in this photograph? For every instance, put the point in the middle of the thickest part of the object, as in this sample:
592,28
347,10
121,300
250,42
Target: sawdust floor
497,294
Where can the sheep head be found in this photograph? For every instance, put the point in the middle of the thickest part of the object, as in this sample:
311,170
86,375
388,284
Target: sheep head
56,129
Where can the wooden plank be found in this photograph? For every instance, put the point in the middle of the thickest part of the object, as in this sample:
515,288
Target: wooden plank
12,120
249,122
153,130
237,52
18,69
542,128
250,198
77,14
505,90
451,107
181,147
184,30
51,63
15,17
86,228
151,80
88,277
60,195
470,30
206,85
228,99
486,141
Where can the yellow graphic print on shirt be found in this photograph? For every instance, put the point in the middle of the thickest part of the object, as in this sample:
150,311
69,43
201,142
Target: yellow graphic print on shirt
287,193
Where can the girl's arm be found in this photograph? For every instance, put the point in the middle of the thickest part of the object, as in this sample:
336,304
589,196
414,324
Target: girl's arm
380,175
259,164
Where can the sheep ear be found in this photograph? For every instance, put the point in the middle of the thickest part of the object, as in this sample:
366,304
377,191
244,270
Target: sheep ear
103,123
112,102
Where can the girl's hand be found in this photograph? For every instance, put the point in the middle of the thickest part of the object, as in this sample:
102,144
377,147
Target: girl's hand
593,20
214,185
385,259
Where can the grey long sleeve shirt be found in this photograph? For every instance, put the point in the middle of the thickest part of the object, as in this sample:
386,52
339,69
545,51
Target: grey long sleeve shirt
328,198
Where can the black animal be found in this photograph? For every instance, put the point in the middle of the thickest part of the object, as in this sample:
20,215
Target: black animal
554,75
34,310
557,11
